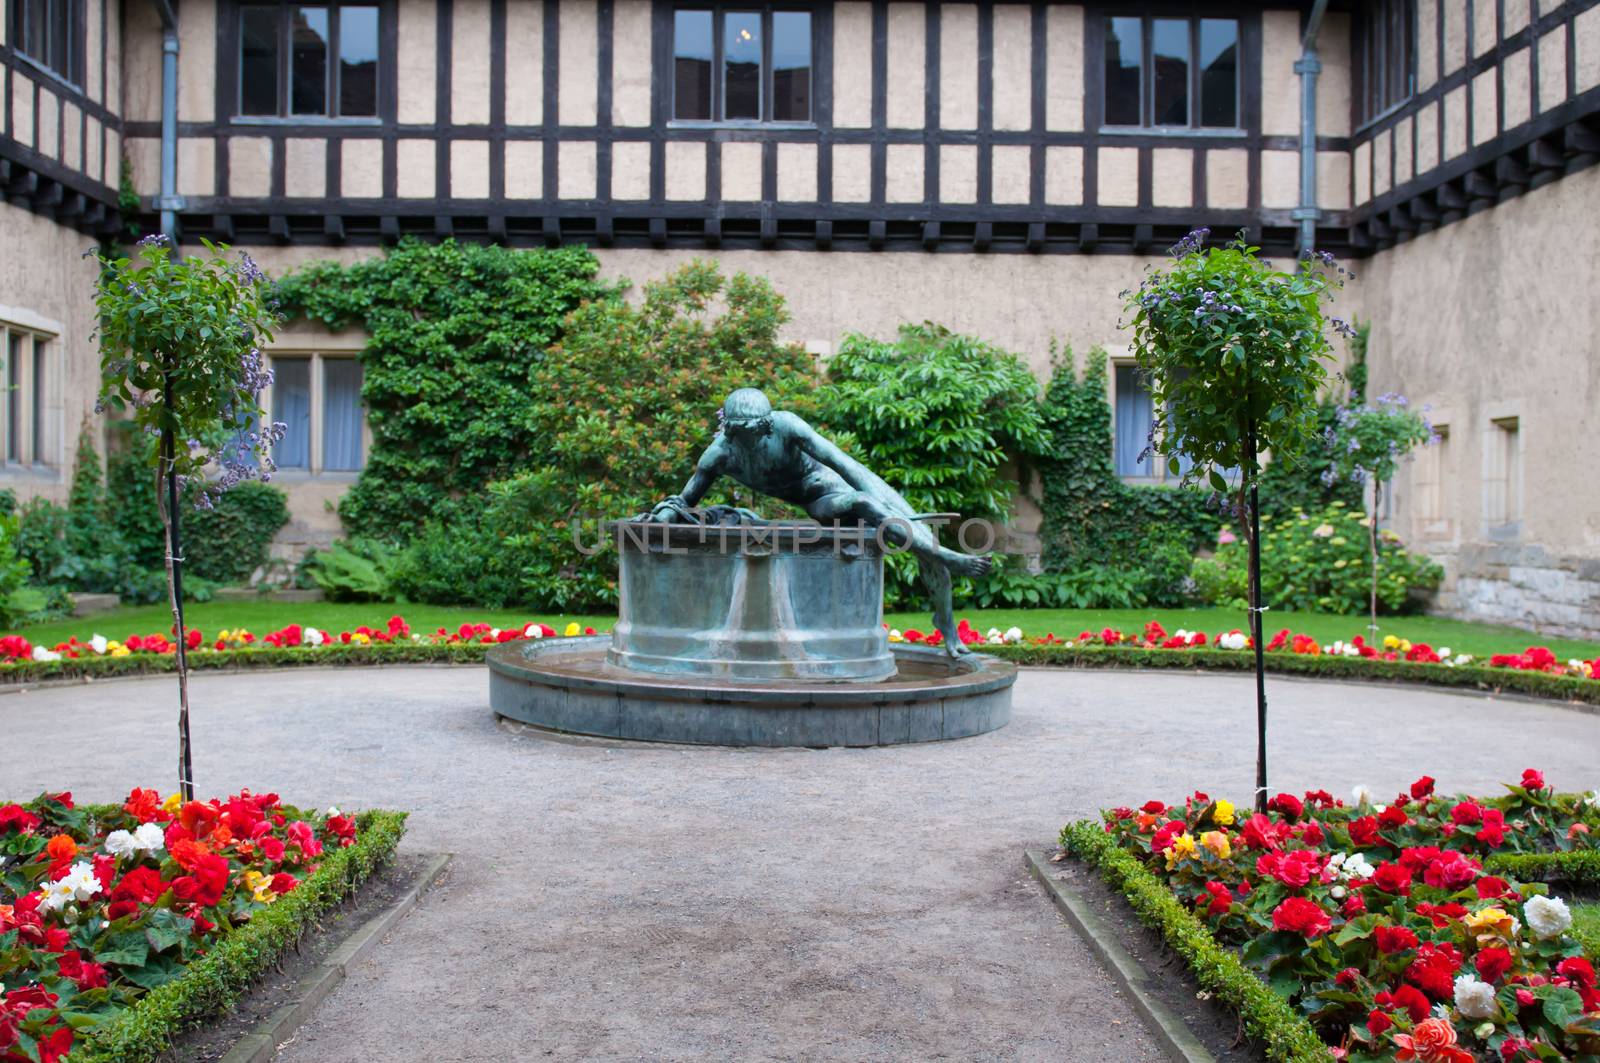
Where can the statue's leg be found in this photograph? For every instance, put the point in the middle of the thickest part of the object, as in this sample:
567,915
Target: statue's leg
936,581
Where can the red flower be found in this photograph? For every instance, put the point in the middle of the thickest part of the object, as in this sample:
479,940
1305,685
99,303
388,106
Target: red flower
56,1045
1490,887
1301,916
1286,805
206,884
271,848
1292,869
1259,833
1392,878
87,975
1578,969
283,882
17,818
1392,817
1394,938
1467,813
1493,963
1221,898
1364,832
1407,997
1493,830
1434,970
300,834
1377,1022
1451,871
1532,778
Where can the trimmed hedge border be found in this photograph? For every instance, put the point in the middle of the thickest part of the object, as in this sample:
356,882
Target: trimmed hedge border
1479,678
1283,1034
214,982
1323,666
1580,868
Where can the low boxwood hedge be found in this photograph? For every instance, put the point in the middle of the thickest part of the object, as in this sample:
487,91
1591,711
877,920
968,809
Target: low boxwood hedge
1283,1034
211,985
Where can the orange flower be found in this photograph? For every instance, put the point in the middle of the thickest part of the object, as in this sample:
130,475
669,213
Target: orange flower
61,848
1432,1041
189,854
221,836
143,805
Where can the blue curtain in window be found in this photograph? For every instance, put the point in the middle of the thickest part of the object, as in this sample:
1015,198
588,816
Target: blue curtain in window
1133,417
291,404
341,414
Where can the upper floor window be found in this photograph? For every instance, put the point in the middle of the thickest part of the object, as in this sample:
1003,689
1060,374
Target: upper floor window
51,33
308,60
741,64
1171,73
28,419
1385,56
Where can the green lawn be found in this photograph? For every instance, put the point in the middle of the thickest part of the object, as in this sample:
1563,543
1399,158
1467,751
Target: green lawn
1586,927
261,617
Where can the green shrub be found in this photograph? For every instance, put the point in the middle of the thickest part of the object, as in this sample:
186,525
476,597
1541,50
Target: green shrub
1163,566
1318,562
351,570
228,542
454,366
17,599
1009,586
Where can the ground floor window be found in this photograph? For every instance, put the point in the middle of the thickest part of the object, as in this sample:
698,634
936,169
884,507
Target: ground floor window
319,398
28,424
1133,416
1429,479
1502,479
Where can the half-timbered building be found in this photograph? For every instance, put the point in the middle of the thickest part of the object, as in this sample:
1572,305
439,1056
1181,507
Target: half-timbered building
1005,168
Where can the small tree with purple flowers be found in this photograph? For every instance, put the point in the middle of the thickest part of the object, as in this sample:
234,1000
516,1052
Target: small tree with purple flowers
1367,442
1233,353
180,350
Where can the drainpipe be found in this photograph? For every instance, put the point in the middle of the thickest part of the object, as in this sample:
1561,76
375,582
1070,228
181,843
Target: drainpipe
1308,66
169,202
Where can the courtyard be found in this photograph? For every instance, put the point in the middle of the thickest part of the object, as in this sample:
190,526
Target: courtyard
627,901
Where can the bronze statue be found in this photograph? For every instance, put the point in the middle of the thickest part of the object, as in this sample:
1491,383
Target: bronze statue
780,455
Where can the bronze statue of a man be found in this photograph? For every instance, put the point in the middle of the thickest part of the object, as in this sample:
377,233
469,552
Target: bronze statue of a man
779,454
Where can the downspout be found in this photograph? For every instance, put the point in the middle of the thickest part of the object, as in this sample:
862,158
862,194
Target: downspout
169,202
1308,66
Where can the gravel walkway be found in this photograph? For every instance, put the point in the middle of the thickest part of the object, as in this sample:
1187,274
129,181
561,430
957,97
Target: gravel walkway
652,902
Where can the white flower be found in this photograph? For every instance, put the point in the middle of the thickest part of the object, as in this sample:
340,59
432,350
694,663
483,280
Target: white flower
121,843
1361,795
1463,658
312,637
77,884
1548,917
533,631
150,837
992,634
894,633
333,810
494,632
1444,651
995,639
1475,999
42,654
1338,893
1593,800
1013,634
98,643
56,895
1356,867
1182,633
1233,640
1337,858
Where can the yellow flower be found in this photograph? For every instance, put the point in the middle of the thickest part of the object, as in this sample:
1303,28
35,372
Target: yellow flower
360,638
121,651
260,886
173,803
1390,642
1217,842
1182,846
1222,814
113,644
1405,645
572,629
1491,925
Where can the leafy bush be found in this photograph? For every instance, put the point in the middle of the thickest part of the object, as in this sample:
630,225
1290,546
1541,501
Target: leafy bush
229,541
1163,569
1009,586
454,366
351,570
1318,562
17,599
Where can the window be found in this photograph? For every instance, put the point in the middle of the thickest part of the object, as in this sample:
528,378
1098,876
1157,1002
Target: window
319,398
51,33
1171,73
741,65
308,60
1428,480
1385,56
29,416
1133,417
1502,481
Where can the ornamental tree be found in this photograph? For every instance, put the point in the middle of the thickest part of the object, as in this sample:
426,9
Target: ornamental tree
1368,441
1233,353
180,354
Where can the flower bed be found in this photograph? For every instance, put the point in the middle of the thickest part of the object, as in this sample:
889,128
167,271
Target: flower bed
1394,930
120,925
1535,671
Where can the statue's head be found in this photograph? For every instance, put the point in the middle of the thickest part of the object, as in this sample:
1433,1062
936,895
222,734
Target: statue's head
746,413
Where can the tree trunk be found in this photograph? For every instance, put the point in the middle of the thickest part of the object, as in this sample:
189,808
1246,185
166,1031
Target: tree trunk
1253,524
172,522
1372,540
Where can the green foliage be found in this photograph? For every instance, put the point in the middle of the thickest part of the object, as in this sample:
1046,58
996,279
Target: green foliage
936,414
1092,518
1307,480
1368,440
228,541
1318,561
1093,586
351,570
1266,1017
17,599
209,986
1579,868
625,406
455,380
1233,350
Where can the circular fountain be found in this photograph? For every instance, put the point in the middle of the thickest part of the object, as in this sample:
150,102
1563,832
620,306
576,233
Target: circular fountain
766,634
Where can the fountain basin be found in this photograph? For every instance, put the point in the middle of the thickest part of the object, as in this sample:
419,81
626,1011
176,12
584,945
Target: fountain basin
570,685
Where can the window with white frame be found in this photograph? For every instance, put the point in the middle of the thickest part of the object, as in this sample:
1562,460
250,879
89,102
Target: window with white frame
28,425
1133,416
1502,480
318,397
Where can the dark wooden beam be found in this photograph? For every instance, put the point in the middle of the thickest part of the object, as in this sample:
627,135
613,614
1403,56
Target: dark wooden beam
551,227
1422,210
389,229
877,230
983,236
1545,155
222,225
713,231
1510,173
333,228
497,228
658,232
1088,236
930,236
1401,221
604,231
1142,235
769,226
1035,236
1478,186
1580,139
824,235
278,228
444,226
1449,197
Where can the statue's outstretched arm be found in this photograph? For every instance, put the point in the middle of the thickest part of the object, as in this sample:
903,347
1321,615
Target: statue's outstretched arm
852,471
706,471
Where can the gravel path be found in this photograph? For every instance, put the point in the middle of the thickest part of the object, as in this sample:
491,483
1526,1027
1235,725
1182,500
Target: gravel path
654,902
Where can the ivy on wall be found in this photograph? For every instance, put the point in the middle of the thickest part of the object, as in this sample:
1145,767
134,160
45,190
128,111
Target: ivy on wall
456,338
1090,515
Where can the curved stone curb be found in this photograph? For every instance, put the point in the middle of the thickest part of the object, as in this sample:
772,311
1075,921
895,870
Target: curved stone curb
1169,1029
261,1043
